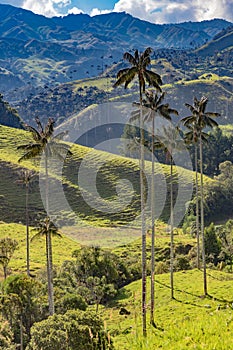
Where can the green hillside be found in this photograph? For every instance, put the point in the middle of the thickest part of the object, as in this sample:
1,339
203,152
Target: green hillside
222,41
111,169
187,322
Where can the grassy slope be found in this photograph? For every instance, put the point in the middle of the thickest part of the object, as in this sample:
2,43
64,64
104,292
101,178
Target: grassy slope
188,322
219,44
114,168
62,248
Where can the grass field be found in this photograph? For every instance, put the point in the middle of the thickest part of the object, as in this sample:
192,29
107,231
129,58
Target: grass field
62,248
190,321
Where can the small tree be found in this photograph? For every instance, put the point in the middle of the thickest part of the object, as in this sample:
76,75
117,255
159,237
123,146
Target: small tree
7,249
71,331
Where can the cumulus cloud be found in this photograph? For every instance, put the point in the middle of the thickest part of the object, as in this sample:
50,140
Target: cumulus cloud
75,11
96,11
167,11
158,11
47,8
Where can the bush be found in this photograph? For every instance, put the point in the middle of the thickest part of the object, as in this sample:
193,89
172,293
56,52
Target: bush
181,263
70,302
161,267
75,330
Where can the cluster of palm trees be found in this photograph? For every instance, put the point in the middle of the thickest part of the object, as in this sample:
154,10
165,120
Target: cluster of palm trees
43,143
149,108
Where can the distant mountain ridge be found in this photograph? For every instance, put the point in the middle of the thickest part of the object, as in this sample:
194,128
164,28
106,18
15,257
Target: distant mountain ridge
120,28
36,50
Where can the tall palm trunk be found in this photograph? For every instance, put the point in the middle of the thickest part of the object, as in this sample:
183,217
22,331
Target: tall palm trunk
172,230
27,230
197,209
202,220
142,190
152,226
49,245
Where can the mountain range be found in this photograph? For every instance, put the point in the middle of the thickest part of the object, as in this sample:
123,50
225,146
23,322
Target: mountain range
36,50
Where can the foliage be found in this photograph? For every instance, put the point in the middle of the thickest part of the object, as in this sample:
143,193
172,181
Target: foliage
225,235
70,301
22,297
218,150
7,249
181,263
8,115
212,244
161,267
6,336
96,274
71,331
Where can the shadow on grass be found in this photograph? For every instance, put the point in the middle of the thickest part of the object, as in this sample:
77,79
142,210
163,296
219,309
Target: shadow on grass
178,290
219,279
208,296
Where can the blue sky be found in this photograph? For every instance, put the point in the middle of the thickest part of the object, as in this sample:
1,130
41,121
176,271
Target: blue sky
157,11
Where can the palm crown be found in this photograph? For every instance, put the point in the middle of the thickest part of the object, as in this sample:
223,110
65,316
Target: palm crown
200,118
44,141
139,63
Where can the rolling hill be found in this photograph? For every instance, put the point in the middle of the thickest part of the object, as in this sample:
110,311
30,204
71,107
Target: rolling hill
222,41
92,188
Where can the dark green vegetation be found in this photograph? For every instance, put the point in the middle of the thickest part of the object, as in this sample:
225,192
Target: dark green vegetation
8,115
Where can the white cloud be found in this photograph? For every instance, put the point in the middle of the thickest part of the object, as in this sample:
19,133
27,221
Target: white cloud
96,11
168,11
75,11
158,11
47,8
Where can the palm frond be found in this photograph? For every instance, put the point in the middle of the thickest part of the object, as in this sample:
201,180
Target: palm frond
172,111
49,129
146,61
193,110
160,98
126,78
122,72
31,154
40,127
128,57
153,79
35,134
212,114
148,51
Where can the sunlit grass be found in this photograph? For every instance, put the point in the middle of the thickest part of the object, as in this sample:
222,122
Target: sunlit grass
190,321
62,248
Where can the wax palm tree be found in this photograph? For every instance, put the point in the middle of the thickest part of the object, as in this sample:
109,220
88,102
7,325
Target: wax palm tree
192,137
44,143
46,228
25,178
139,68
200,119
170,141
153,107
